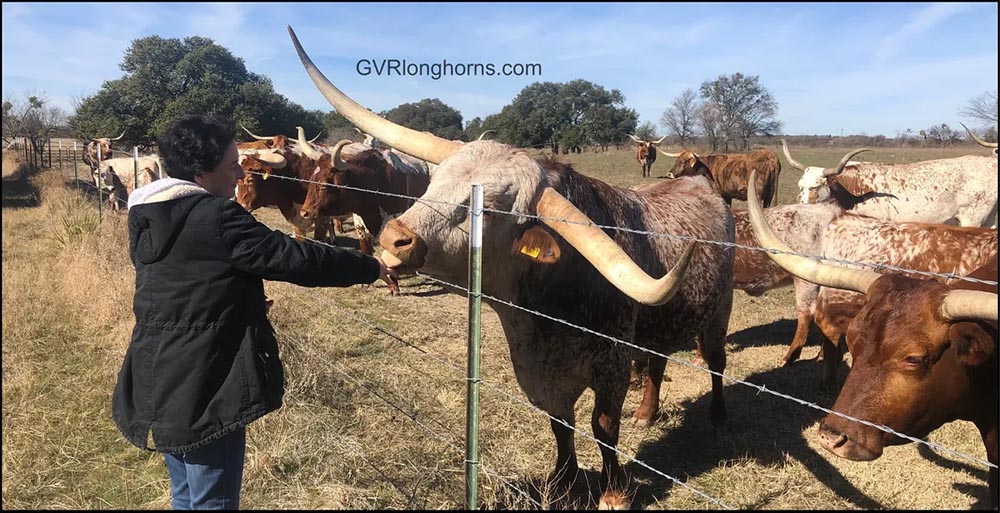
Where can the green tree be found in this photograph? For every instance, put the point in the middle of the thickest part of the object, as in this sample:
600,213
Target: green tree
646,132
571,114
746,109
167,78
431,115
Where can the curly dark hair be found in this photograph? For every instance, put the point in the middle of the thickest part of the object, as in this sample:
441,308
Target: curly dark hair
193,145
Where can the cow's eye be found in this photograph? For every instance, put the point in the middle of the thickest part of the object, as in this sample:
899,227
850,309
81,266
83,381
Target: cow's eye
915,360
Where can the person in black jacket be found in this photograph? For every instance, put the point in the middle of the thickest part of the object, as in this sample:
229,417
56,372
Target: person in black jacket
203,360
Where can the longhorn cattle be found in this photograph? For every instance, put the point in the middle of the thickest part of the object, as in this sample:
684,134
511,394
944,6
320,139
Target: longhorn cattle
925,354
980,141
98,148
919,246
119,178
569,270
361,167
730,173
645,153
263,186
803,226
959,191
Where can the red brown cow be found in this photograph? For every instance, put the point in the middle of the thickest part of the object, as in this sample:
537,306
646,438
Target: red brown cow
730,173
366,168
261,187
925,354
919,246
645,153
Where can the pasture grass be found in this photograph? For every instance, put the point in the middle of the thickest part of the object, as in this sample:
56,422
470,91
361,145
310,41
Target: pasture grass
376,421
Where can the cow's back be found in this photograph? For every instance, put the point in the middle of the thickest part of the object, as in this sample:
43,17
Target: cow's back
960,190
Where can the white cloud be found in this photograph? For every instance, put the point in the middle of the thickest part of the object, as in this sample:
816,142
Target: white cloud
925,20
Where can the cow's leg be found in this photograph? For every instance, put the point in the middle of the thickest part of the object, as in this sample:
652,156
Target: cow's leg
609,395
990,440
321,229
649,408
832,356
801,335
713,349
338,225
562,478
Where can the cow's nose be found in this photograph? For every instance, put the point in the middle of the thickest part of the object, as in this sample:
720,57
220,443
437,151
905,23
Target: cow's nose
830,438
305,214
403,243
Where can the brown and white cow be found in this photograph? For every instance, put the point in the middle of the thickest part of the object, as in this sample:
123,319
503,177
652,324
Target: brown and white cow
980,141
121,175
803,227
569,270
925,354
360,167
959,191
98,149
645,153
730,173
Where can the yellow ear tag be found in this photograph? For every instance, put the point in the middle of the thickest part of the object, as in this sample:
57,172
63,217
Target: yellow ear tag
531,252
266,175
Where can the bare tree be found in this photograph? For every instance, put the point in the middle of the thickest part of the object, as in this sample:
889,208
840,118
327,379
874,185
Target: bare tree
943,135
746,108
30,118
710,122
681,117
982,108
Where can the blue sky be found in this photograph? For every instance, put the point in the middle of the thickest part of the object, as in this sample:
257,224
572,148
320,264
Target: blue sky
860,68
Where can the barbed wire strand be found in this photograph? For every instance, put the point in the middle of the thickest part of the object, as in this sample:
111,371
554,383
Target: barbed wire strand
760,388
486,470
579,431
725,244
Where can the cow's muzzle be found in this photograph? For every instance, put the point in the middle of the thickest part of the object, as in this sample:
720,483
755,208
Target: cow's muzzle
844,446
403,245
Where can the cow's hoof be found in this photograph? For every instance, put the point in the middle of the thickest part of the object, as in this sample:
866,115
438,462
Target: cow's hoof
643,421
615,499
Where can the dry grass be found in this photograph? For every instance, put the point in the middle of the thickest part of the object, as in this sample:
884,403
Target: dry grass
369,422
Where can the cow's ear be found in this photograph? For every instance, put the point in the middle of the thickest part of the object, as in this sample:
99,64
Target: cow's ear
537,245
972,343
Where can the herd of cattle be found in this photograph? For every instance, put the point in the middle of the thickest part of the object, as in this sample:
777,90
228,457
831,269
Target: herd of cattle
924,348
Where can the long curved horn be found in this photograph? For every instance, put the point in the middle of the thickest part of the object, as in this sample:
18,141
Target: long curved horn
808,269
969,304
317,137
259,138
661,140
788,156
636,139
273,160
828,172
307,148
480,138
120,136
430,148
359,131
671,155
339,163
606,255
976,138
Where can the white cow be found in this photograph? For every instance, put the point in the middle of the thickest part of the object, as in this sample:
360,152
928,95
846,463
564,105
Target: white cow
958,191
118,177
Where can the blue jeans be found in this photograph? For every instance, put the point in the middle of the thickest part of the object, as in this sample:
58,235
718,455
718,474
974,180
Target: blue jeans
209,477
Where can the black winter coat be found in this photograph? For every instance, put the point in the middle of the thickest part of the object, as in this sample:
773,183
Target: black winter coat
203,360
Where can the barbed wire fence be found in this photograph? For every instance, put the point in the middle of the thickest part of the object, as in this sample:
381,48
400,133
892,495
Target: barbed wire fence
759,388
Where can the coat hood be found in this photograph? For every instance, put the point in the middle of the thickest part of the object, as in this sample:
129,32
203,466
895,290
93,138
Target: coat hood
156,214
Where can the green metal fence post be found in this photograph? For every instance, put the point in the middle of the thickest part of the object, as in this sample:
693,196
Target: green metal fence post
472,369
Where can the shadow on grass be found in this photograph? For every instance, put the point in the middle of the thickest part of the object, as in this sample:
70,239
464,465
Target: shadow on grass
762,428
18,190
